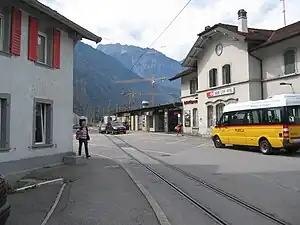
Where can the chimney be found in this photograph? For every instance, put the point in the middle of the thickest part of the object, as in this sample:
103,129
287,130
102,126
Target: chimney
242,21
207,28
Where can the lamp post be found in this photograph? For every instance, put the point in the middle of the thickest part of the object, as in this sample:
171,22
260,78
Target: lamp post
288,84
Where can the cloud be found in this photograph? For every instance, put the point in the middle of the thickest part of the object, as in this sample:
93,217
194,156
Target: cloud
139,22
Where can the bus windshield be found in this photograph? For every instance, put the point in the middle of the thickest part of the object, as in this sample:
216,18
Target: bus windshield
294,114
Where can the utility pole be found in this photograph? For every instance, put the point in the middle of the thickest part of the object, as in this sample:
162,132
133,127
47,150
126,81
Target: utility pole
283,11
108,108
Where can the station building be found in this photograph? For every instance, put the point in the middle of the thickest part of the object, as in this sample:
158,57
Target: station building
160,118
235,63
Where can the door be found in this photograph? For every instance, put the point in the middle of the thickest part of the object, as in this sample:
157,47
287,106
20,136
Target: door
223,128
236,131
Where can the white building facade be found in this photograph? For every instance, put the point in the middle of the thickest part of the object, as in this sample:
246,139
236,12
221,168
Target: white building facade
36,87
238,64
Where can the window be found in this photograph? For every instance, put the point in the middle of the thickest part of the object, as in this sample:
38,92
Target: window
210,113
195,117
193,86
213,77
226,76
219,110
42,48
4,121
224,120
289,62
253,117
294,114
43,122
271,116
187,118
239,118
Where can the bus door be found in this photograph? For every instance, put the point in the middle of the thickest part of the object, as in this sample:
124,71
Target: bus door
294,122
223,128
237,130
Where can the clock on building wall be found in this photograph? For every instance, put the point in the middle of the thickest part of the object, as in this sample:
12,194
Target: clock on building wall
219,49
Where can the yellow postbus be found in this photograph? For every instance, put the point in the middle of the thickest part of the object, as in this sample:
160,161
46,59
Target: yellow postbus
269,124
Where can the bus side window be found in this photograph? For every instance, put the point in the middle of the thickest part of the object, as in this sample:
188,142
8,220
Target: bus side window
224,120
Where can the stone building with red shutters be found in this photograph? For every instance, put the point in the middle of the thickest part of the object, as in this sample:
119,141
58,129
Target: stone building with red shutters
36,84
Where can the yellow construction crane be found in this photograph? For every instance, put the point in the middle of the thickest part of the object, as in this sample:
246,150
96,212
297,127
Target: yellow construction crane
153,79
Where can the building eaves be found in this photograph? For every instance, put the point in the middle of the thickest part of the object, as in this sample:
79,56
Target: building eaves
183,73
56,16
282,34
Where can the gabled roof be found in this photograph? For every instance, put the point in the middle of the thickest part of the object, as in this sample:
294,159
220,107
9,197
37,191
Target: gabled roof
258,37
281,34
183,73
61,19
253,33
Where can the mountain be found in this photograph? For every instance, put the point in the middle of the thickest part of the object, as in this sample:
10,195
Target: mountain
94,79
151,63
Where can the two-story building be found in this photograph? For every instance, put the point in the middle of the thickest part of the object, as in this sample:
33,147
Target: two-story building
36,84
237,64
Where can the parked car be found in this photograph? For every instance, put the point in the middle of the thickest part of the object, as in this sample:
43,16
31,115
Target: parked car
115,127
4,205
102,128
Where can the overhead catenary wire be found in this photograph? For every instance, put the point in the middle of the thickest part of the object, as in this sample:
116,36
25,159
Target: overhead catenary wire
166,28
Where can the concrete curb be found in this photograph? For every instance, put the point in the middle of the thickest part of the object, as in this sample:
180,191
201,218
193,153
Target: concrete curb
159,213
33,186
162,218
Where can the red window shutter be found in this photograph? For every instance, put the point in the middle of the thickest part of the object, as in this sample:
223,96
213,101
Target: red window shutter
56,49
16,25
33,38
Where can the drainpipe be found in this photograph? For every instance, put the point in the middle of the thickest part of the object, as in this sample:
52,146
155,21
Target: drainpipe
261,75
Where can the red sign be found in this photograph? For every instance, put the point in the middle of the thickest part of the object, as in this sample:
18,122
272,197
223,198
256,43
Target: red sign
210,94
190,102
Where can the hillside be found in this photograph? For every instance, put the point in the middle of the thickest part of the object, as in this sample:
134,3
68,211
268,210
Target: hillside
94,79
153,62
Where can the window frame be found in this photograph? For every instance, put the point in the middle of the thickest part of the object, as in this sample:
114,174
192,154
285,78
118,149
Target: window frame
42,34
5,121
294,63
219,114
193,86
49,130
210,73
226,78
195,121
210,121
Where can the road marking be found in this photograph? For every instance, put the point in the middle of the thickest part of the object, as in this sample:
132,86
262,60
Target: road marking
107,146
103,156
159,152
58,197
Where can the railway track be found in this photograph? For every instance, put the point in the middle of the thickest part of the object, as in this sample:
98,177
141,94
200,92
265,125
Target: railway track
199,181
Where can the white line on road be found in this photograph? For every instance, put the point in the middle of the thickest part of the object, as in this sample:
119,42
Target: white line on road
159,152
49,214
106,146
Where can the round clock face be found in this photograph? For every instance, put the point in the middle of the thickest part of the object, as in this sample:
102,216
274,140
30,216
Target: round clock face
219,49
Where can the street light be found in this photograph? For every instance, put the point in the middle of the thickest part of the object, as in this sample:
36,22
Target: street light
288,84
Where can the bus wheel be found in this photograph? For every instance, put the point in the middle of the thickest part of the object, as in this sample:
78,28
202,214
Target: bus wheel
218,143
265,147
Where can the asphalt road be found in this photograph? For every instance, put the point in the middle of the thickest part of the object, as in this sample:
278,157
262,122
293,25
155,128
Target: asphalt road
271,183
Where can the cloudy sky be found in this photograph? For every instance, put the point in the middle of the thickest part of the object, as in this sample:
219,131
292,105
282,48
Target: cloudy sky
139,22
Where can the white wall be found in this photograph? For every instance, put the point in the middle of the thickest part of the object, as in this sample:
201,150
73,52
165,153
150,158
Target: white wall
25,81
185,84
273,67
234,53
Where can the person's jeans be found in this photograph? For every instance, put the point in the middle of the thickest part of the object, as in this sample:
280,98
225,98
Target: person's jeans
85,142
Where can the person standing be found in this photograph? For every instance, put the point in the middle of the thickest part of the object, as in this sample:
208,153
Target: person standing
82,135
179,129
